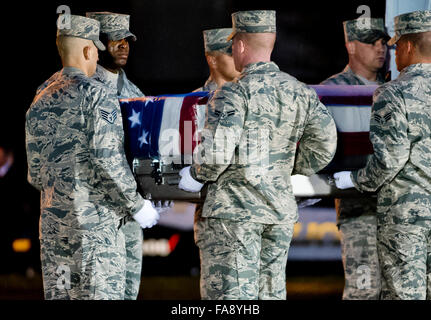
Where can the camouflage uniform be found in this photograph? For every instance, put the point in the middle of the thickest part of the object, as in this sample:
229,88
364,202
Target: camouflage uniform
247,221
356,217
399,169
116,27
74,142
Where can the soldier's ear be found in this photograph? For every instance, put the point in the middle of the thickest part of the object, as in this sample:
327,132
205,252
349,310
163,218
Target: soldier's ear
241,46
410,47
87,52
211,60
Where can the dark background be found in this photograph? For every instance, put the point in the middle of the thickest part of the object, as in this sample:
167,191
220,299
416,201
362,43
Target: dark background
168,56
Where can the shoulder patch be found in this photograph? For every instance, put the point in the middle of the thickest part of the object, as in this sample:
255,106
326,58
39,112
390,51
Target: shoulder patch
109,117
383,119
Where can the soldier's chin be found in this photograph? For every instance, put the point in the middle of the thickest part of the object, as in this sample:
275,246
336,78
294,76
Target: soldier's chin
121,62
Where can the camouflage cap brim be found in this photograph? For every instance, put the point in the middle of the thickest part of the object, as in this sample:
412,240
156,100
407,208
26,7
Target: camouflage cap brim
215,40
230,37
99,45
394,40
373,35
120,34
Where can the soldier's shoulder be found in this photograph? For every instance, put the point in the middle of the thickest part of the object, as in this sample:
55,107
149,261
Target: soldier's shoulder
90,86
338,79
297,87
389,91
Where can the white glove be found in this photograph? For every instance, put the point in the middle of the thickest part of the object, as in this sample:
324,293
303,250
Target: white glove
147,216
187,183
163,207
342,180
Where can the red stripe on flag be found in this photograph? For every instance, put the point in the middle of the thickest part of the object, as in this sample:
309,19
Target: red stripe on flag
355,143
188,125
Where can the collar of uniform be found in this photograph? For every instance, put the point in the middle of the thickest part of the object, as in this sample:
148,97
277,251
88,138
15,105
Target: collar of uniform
260,67
380,79
417,68
72,71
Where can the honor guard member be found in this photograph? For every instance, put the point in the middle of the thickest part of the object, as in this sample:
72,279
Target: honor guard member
75,154
260,131
400,168
356,217
114,31
366,46
218,53
115,34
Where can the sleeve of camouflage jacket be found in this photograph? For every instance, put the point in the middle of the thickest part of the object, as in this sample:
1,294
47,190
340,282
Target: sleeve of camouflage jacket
105,136
318,143
33,159
222,133
388,134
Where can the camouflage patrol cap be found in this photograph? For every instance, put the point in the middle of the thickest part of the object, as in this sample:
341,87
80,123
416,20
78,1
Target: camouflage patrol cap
412,22
254,21
114,25
215,40
366,30
80,27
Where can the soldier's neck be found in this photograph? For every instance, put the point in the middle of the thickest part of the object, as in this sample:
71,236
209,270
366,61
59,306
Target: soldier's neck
74,63
219,79
363,71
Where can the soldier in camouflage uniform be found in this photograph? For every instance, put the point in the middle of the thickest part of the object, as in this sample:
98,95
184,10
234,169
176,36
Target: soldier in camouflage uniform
261,130
114,32
74,142
218,53
400,130
356,218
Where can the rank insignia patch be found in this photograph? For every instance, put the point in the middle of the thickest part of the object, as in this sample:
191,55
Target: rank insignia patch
109,117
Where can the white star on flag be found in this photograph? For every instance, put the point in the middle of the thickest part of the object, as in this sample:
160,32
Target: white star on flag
135,118
143,138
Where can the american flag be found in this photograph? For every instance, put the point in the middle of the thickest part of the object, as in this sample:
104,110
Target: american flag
350,106
167,125
163,126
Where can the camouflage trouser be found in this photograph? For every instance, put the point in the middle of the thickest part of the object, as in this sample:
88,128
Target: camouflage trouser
358,237
85,265
242,260
134,237
405,256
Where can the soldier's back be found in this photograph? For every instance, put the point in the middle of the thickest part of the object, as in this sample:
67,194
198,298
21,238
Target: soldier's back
277,110
57,131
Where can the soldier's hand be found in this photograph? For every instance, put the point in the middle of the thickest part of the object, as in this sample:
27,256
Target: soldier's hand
163,207
147,216
187,183
343,180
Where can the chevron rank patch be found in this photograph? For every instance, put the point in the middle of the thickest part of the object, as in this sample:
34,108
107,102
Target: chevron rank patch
109,117
383,119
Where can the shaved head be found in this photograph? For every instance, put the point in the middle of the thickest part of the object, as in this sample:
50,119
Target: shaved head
258,41
250,48
78,52
412,49
421,41
70,46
